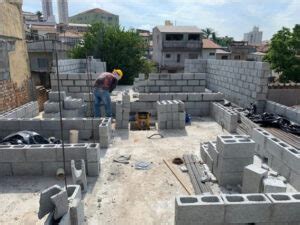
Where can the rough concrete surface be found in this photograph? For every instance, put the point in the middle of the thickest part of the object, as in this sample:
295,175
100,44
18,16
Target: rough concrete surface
120,195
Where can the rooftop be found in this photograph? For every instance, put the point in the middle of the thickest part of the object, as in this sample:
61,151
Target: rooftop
209,44
176,29
95,10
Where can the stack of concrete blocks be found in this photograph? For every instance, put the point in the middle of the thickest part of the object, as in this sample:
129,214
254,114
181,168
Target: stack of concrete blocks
71,107
196,104
123,111
73,77
87,127
227,157
226,209
273,185
44,160
170,114
105,132
253,178
242,82
290,113
225,116
64,207
28,110
281,157
171,82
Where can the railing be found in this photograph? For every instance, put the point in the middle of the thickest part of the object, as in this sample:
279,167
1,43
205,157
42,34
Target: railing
181,44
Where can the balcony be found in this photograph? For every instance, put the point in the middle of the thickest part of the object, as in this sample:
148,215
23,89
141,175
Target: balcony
182,45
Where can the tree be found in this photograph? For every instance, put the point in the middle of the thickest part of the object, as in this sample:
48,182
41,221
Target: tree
208,32
117,47
224,41
39,15
283,54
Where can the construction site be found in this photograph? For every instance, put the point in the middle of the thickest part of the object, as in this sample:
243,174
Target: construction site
202,146
150,164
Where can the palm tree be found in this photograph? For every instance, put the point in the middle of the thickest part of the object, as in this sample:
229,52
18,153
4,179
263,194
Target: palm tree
208,32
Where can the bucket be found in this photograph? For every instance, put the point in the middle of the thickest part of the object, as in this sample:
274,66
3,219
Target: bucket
73,136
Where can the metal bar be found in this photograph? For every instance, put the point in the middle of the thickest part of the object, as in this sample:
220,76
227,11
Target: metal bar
192,176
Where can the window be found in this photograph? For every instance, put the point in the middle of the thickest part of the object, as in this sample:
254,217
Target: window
211,53
193,56
42,62
168,56
237,57
109,18
194,37
224,57
178,58
174,37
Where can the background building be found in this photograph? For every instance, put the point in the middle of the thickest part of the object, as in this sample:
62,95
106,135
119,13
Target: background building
14,64
48,10
94,16
254,37
63,11
209,49
173,44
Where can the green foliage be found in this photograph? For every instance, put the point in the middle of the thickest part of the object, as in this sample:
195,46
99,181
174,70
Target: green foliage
117,47
209,33
282,54
148,67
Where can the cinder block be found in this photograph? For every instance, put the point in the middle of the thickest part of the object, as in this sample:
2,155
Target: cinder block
41,153
203,209
54,96
26,168
93,169
12,153
275,147
252,178
273,185
5,169
285,207
247,208
51,107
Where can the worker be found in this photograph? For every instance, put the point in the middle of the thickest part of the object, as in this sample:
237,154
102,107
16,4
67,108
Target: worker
103,86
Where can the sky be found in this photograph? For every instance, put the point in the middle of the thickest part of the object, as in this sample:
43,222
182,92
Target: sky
226,17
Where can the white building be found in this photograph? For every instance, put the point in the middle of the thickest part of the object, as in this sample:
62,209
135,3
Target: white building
254,37
63,11
209,49
48,10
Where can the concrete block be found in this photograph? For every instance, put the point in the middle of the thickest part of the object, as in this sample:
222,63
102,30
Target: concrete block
93,169
252,178
273,185
79,175
233,164
93,153
51,107
275,147
27,168
12,153
203,209
46,205
229,178
5,169
60,201
41,153
285,207
54,96
246,208
231,147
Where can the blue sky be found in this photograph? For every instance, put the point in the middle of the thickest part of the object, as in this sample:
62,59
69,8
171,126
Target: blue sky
226,17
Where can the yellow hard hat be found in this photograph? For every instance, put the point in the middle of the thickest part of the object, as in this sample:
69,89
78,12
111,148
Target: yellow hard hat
119,72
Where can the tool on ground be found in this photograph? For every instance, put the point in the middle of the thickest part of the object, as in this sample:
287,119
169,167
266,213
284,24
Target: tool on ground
124,159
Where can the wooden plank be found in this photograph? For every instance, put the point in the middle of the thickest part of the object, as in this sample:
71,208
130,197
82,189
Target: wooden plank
192,176
178,177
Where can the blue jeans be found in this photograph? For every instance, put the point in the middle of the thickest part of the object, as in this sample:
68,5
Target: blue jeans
102,96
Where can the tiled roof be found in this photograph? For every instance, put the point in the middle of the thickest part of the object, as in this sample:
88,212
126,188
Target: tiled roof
207,43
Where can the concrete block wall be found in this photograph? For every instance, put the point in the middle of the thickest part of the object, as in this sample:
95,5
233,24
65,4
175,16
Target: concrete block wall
170,114
123,111
290,113
87,127
196,104
227,157
281,157
225,116
44,160
71,107
242,82
73,77
28,110
171,82
225,209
